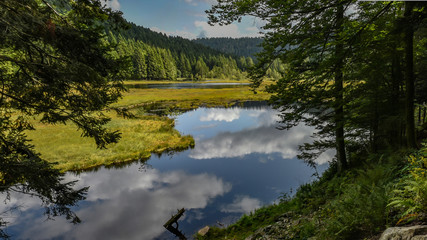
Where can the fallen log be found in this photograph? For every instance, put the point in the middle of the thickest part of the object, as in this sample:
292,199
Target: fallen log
174,219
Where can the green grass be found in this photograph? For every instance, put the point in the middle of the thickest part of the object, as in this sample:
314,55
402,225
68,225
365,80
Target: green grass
187,98
142,136
248,224
179,80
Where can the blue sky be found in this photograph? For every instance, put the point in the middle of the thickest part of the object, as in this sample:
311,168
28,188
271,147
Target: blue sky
185,18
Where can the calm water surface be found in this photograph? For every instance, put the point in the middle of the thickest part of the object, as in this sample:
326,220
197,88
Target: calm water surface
240,162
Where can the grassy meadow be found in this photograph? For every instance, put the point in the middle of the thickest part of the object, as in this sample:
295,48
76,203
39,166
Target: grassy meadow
141,136
189,98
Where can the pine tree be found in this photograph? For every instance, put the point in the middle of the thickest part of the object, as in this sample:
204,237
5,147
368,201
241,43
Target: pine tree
54,64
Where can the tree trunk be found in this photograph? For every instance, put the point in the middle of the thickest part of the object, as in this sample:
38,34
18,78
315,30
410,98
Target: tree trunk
409,77
339,95
395,131
424,115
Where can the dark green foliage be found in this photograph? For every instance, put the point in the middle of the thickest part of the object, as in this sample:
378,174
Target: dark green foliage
345,69
242,47
361,208
409,197
351,71
312,46
54,66
174,57
176,45
353,205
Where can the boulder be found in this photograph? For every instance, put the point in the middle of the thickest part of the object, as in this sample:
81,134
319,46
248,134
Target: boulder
418,232
202,232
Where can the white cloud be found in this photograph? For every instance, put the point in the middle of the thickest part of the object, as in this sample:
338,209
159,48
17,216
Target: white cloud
219,114
196,2
231,30
252,29
242,204
113,4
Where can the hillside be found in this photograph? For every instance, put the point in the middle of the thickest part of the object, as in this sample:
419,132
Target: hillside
174,43
242,47
155,56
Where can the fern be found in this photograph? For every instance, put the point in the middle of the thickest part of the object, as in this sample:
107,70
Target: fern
410,193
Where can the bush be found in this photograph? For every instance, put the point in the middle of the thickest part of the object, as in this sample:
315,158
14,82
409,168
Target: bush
409,198
361,209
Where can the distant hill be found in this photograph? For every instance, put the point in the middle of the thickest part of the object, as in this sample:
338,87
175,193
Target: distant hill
156,56
173,43
246,47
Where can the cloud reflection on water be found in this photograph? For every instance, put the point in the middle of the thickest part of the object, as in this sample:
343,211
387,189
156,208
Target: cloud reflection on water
221,114
264,140
262,137
127,204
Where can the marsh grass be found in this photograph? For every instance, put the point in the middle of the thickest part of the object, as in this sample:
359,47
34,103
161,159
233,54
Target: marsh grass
63,145
190,97
180,80
142,136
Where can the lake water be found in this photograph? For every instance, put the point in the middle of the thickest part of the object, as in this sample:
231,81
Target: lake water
186,85
239,163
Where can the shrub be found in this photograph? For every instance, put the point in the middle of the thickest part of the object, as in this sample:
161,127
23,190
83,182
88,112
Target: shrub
361,209
410,194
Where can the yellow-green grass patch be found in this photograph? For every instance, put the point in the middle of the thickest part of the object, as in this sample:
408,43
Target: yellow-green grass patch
209,80
193,97
62,144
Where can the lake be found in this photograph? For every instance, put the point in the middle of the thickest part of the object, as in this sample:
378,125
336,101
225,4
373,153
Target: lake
240,162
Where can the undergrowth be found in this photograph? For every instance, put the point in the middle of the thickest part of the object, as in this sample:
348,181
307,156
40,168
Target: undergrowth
382,191
409,197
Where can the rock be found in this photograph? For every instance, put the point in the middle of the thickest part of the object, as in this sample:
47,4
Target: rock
405,233
278,230
202,232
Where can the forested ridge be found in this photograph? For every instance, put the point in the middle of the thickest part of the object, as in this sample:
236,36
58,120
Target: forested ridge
156,56
245,46
174,43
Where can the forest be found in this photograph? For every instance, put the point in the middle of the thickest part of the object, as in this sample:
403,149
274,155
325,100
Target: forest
359,65
246,46
355,71
156,56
